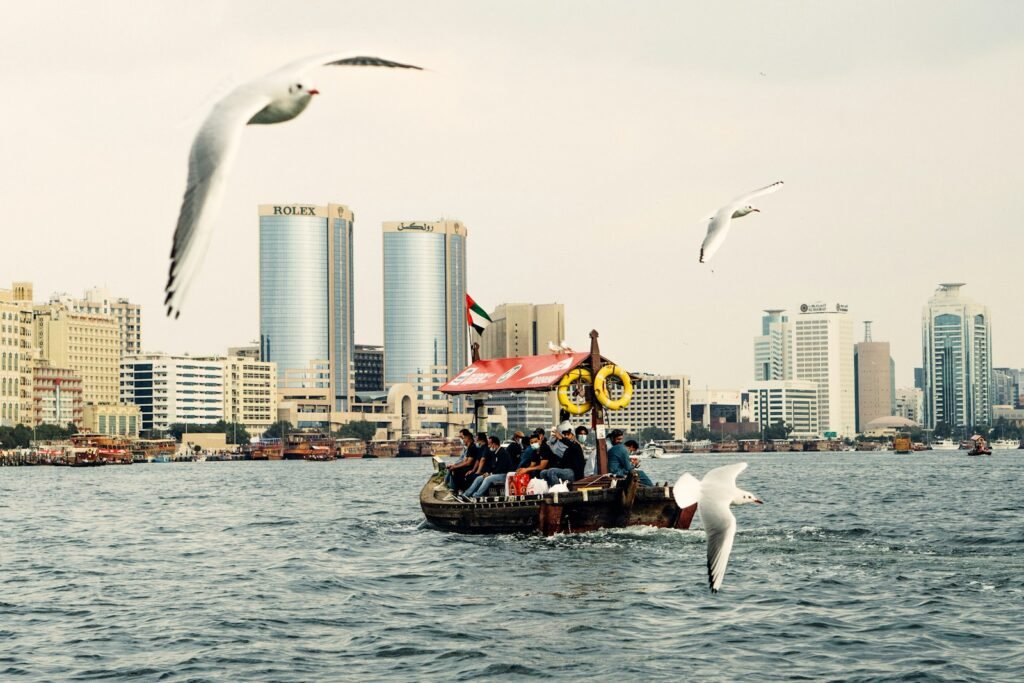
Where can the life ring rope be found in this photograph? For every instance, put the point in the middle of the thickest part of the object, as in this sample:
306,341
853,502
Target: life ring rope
601,387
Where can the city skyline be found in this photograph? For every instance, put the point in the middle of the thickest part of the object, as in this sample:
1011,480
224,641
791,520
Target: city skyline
876,132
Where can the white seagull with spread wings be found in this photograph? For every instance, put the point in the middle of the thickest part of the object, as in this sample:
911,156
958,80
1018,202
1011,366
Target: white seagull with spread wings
279,96
713,495
718,225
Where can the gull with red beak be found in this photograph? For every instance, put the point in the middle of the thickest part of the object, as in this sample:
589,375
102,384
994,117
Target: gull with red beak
713,495
279,96
719,224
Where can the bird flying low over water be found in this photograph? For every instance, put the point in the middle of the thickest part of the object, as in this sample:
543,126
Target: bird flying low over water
713,495
718,225
279,96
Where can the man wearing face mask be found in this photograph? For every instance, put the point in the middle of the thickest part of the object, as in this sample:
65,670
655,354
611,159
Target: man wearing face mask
573,461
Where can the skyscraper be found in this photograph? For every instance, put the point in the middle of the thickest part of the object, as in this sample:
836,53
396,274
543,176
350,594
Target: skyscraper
306,297
773,350
523,330
425,329
823,353
957,352
875,389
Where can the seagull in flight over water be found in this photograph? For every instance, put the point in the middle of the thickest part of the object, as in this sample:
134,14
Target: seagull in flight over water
279,96
713,495
718,225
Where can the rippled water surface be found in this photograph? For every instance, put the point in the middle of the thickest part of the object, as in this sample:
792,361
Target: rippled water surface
859,567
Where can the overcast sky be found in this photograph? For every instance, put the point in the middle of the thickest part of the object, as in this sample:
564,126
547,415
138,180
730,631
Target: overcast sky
580,142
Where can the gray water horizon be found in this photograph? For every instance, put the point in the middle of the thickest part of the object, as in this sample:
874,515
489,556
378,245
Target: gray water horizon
859,567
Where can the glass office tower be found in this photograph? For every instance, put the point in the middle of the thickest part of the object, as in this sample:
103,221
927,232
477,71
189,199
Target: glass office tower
306,296
425,329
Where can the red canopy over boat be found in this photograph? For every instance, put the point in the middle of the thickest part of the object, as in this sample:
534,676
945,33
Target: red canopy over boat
522,373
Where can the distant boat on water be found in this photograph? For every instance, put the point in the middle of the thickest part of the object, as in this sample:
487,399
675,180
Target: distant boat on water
945,445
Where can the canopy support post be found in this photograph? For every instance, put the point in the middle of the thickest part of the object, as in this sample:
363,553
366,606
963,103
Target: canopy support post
597,410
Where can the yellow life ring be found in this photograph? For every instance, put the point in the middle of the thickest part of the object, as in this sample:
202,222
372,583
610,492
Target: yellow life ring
601,389
579,374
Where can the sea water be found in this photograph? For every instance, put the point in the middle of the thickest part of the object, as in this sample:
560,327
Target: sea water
859,567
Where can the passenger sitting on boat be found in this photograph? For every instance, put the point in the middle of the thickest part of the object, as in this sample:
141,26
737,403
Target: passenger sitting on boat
531,448
481,451
497,463
618,459
573,461
541,459
515,448
455,478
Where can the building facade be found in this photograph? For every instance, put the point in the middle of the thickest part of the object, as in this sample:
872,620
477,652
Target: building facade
910,404
957,352
792,402
658,401
369,367
425,328
523,330
88,343
98,301
773,349
307,292
525,410
823,354
250,393
16,355
173,389
1006,384
119,420
875,388
56,396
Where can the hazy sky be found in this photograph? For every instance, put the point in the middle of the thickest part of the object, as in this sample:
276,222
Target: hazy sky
580,142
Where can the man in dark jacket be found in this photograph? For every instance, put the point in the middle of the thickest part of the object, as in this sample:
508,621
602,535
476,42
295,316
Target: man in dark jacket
573,461
497,463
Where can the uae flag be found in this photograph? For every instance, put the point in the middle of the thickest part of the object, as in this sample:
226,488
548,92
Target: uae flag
476,316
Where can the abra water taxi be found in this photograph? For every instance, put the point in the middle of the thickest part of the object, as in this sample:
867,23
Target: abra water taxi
600,501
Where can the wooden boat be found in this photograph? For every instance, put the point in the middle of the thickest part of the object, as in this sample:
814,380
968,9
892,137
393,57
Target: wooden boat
597,502
351,448
308,446
901,443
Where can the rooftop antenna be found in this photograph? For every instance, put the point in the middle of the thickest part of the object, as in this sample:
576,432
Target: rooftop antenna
867,330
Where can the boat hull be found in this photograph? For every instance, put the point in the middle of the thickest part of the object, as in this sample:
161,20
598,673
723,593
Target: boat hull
571,512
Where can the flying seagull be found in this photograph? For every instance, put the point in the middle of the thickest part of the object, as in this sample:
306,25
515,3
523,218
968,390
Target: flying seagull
718,225
713,495
279,96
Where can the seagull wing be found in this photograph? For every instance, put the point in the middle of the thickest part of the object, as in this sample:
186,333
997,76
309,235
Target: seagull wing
213,150
686,490
724,476
718,228
744,199
335,59
720,527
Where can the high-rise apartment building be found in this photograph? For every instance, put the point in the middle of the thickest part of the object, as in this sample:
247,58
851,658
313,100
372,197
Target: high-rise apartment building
773,349
792,402
16,355
875,381
250,393
307,294
910,404
658,401
369,367
425,328
98,301
957,352
174,389
88,343
56,396
523,330
1006,383
823,354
